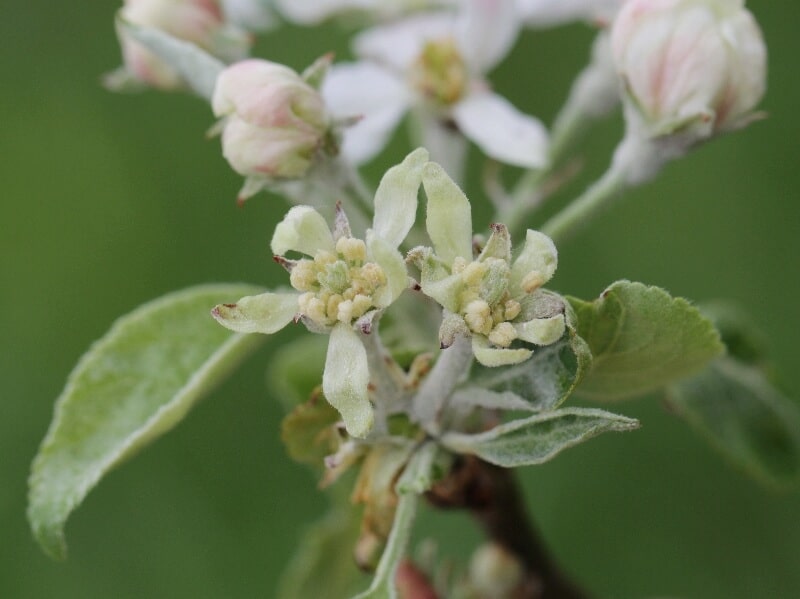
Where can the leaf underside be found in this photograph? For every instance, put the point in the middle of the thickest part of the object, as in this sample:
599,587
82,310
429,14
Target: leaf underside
133,385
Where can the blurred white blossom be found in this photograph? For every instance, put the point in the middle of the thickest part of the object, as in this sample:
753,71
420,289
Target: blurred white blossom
201,22
436,64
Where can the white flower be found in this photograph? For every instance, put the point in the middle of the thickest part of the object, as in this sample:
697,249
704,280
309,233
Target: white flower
436,63
274,122
492,299
548,13
201,22
341,287
313,12
696,66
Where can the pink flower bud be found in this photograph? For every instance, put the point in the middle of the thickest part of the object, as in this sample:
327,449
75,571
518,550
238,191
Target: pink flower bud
274,121
690,64
198,21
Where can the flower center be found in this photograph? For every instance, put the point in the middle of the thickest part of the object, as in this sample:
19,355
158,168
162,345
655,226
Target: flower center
337,287
439,72
485,302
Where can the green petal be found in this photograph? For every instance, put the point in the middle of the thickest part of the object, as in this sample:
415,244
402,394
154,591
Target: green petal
302,230
396,198
266,313
449,219
393,265
346,379
541,331
538,256
491,356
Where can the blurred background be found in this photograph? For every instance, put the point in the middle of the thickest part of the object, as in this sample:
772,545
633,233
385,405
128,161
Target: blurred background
111,200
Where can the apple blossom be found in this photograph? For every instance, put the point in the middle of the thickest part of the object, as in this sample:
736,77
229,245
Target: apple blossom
341,288
274,123
491,299
689,66
435,64
313,12
201,22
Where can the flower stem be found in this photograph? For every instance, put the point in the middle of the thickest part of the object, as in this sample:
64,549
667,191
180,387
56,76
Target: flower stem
430,400
492,496
586,207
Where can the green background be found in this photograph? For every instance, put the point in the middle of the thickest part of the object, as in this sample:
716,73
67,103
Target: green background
111,200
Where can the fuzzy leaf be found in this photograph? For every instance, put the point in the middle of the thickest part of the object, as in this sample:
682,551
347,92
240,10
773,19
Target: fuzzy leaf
641,339
539,438
547,379
197,67
735,408
132,386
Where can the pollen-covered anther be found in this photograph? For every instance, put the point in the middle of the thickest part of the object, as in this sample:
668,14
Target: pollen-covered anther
478,316
503,334
473,273
512,309
352,249
532,281
372,275
303,276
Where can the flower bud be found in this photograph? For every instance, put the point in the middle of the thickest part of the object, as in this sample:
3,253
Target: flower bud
200,22
274,121
696,66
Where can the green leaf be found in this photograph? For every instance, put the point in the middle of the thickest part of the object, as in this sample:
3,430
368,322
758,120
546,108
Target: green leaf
198,68
641,339
736,409
546,379
323,566
535,440
132,386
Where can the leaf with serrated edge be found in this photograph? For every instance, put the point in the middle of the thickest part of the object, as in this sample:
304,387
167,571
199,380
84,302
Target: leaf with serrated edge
641,339
133,385
751,423
539,438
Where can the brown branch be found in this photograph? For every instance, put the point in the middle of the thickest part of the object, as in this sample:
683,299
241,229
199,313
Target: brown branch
492,496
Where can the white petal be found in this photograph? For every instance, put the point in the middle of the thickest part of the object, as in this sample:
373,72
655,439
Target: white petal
266,313
346,378
365,90
393,265
502,131
397,197
539,258
490,356
303,230
541,331
449,220
398,45
486,30
310,12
